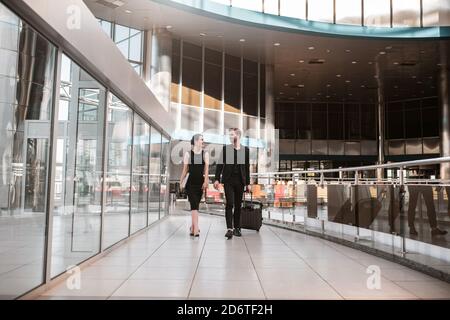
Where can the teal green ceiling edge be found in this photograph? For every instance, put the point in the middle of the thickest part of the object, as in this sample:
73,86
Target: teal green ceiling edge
280,23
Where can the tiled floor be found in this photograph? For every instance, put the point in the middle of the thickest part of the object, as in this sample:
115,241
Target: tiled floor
166,263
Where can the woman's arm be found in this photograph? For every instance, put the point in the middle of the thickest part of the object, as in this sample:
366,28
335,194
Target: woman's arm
185,167
206,171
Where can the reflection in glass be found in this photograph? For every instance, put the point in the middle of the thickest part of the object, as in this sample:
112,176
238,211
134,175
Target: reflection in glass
118,173
165,156
406,13
232,84
321,10
26,79
271,6
377,13
139,187
293,8
79,154
348,12
155,180
255,5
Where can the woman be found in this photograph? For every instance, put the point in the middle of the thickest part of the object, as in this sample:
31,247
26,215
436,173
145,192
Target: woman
196,163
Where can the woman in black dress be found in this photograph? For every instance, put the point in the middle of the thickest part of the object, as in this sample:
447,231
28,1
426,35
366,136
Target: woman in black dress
196,163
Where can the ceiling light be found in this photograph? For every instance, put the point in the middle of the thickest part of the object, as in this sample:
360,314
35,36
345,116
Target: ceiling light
319,93
127,11
202,34
375,76
311,48
348,81
292,74
338,75
354,62
413,77
169,27
276,44
328,85
419,82
242,40
328,50
396,63
300,85
286,84
382,52
327,97
281,92
301,61
363,86
350,94
388,48
370,62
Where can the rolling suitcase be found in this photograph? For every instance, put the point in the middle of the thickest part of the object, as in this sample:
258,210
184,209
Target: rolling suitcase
251,214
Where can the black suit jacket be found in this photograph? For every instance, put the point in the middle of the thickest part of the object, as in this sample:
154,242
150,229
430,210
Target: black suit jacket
226,162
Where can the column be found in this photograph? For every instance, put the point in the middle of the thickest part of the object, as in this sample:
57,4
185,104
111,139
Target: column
268,157
445,109
158,69
381,118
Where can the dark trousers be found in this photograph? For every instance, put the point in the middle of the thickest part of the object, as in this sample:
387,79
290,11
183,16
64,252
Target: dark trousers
233,195
414,194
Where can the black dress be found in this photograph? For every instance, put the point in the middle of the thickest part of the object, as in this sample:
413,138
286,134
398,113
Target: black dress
196,178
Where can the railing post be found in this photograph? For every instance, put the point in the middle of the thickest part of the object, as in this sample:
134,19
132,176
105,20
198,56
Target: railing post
356,210
402,192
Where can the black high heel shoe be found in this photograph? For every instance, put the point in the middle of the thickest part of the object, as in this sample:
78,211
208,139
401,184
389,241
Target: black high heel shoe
192,234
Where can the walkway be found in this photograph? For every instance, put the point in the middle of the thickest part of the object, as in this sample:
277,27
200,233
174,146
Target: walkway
164,262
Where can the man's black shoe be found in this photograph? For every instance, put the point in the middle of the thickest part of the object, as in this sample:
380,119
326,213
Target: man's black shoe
229,234
438,232
237,232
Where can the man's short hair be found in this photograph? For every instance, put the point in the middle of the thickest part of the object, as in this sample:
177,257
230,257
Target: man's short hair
236,130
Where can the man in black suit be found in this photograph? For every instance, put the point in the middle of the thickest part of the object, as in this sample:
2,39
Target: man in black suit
234,167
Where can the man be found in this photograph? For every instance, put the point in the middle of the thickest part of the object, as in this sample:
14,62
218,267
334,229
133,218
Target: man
234,167
427,193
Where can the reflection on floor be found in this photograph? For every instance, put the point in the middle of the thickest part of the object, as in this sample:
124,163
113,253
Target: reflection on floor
165,262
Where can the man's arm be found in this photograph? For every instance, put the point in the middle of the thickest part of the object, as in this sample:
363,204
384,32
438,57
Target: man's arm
219,166
247,165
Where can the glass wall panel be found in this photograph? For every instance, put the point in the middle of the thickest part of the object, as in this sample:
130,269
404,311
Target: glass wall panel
395,123
293,8
211,121
232,84
303,120
79,160
285,120
192,75
118,172
430,117
174,89
431,12
352,122
406,13
319,116
139,184
321,10
255,5
335,121
155,176
348,12
377,13
271,6
26,78
165,157
250,79
262,91
368,122
412,120
213,80
231,120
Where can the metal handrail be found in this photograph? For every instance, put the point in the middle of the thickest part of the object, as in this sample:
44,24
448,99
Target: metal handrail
364,168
